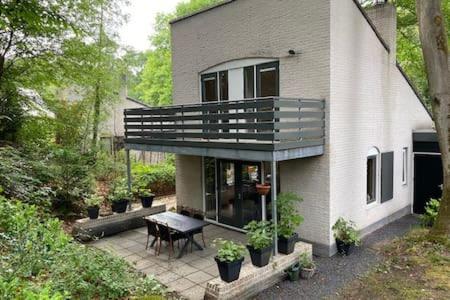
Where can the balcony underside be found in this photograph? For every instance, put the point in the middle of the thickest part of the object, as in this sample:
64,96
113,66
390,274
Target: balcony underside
226,152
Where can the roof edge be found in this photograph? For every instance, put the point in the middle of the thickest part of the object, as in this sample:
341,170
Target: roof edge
224,2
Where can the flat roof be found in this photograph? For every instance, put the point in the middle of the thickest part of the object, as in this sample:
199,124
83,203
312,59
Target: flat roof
224,2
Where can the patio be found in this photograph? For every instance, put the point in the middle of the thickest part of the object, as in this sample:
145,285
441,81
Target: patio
188,275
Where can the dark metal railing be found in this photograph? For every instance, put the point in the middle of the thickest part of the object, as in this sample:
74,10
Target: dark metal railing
256,124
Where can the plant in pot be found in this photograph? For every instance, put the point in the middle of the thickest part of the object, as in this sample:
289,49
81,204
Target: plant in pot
93,206
307,266
260,242
229,259
146,197
120,198
288,221
293,272
346,236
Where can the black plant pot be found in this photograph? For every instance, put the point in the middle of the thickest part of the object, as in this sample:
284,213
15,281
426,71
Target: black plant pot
286,246
344,248
229,271
147,201
120,206
260,257
293,272
93,212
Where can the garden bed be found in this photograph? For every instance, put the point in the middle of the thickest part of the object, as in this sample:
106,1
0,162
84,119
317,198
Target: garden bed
87,229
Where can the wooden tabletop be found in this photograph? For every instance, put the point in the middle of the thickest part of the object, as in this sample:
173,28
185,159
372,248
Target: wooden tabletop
180,223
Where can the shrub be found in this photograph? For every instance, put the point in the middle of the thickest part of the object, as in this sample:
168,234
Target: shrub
289,218
259,234
159,178
39,261
431,213
108,167
345,231
228,251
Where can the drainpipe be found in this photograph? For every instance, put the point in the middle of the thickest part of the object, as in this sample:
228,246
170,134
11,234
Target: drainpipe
273,179
263,197
127,152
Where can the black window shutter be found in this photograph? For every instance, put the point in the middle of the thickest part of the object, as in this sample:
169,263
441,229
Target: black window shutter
387,176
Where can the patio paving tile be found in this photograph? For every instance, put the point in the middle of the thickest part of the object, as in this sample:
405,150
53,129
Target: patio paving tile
123,252
143,263
168,277
129,244
202,263
133,258
199,277
185,270
212,270
181,284
196,292
154,270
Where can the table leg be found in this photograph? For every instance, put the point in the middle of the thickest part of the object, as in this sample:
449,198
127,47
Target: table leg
153,243
189,239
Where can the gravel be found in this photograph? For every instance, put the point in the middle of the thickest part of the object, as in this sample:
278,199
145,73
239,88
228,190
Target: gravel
335,272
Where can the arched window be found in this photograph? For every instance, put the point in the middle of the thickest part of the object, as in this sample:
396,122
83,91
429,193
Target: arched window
373,175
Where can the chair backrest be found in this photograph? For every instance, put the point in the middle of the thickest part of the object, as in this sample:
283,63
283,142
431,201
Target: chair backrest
164,231
198,216
185,212
152,228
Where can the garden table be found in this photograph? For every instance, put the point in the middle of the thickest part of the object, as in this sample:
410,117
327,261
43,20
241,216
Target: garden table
182,224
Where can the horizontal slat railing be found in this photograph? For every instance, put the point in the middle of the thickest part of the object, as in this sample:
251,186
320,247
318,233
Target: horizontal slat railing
257,124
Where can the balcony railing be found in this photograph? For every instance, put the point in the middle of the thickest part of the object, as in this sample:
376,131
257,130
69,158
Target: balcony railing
265,124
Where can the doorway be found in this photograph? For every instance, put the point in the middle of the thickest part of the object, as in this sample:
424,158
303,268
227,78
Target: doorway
427,180
238,201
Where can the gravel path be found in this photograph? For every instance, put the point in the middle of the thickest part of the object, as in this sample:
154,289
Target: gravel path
333,273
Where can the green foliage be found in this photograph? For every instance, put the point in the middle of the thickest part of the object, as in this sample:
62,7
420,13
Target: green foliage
22,178
36,132
108,167
159,178
120,191
228,251
259,234
155,86
345,231
39,261
289,218
431,213
93,201
306,262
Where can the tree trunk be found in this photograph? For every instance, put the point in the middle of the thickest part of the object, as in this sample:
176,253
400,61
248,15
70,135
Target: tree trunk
433,37
96,121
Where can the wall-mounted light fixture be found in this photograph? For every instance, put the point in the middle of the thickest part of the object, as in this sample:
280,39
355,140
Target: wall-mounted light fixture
293,52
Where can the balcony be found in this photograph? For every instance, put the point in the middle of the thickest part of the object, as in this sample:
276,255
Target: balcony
256,129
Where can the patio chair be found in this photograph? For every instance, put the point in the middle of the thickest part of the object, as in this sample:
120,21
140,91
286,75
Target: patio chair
199,216
185,212
168,236
152,230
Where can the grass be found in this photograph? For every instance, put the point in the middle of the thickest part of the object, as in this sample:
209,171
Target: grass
414,267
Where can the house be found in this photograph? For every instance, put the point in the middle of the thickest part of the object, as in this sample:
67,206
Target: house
306,95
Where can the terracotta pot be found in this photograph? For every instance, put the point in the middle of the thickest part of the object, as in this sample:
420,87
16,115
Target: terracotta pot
262,189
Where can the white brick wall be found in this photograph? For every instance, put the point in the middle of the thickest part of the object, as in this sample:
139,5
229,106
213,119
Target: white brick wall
371,105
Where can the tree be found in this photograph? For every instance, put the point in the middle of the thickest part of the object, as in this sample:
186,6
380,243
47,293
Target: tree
155,86
434,39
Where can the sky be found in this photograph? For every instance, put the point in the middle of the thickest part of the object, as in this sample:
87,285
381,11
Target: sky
141,18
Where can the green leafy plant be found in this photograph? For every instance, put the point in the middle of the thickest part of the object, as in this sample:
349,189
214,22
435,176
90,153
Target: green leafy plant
120,192
145,193
306,262
346,232
93,201
289,218
259,234
159,178
228,251
431,213
38,260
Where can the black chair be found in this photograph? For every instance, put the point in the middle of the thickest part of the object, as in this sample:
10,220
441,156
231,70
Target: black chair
168,236
185,212
152,230
199,216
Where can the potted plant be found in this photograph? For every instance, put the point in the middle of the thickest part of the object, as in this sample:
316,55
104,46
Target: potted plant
229,259
346,236
260,242
288,221
307,266
93,206
146,197
120,198
293,272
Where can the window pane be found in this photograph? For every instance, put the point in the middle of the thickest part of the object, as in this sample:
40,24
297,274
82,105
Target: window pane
209,87
210,187
268,85
371,179
249,82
